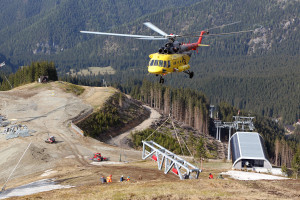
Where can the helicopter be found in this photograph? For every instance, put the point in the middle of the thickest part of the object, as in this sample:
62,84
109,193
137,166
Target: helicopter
173,56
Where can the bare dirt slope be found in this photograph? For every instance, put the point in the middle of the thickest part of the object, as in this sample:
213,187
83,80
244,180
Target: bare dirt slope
46,108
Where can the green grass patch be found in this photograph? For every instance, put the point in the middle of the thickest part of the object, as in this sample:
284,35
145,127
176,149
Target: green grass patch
71,88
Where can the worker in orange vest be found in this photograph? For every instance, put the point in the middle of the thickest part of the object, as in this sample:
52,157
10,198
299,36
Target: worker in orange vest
210,176
109,179
128,179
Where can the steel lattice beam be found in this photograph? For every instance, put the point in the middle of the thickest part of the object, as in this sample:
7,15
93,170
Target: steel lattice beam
178,165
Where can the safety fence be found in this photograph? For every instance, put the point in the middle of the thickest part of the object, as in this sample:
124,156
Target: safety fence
77,129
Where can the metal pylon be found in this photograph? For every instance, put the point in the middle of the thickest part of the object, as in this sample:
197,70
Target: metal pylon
162,156
229,125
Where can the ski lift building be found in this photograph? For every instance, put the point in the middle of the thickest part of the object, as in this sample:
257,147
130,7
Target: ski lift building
248,150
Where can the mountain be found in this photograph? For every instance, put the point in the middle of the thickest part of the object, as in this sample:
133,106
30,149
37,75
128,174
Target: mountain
256,71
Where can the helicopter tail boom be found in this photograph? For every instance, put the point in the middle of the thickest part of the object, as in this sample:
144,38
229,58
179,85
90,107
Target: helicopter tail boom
194,46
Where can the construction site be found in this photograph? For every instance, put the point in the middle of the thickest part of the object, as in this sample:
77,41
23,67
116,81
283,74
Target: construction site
42,146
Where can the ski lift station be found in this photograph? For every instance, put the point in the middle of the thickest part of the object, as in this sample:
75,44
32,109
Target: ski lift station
248,151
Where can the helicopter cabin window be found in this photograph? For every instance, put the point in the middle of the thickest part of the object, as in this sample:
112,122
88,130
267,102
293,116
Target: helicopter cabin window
161,63
169,64
151,62
155,62
165,63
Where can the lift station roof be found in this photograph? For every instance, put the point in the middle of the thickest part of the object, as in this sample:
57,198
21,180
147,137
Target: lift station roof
247,146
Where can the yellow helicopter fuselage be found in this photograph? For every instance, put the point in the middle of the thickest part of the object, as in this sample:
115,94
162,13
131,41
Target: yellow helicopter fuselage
162,64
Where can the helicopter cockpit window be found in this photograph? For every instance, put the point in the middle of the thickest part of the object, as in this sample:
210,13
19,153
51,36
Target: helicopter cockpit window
155,62
160,63
151,62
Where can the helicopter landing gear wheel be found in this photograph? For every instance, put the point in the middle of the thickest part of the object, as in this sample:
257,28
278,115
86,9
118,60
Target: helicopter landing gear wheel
191,74
161,80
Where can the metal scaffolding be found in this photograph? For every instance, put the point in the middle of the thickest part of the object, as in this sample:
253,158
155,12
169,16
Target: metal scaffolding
219,126
229,125
162,156
241,122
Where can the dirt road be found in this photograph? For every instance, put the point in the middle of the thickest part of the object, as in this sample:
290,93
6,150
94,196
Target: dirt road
122,139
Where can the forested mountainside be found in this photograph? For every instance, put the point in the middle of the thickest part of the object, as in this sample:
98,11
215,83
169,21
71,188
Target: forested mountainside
257,71
192,108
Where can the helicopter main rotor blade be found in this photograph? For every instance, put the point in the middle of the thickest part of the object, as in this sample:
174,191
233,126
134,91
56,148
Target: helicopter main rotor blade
154,28
144,38
231,33
122,35
218,34
224,25
221,26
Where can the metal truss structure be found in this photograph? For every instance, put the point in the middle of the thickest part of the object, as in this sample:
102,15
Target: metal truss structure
219,126
229,125
171,161
241,122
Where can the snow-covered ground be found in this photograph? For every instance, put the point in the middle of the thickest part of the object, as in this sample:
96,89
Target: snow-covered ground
32,188
48,172
273,171
240,175
107,163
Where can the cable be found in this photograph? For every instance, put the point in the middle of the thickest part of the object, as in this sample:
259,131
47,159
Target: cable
3,188
177,137
158,127
182,140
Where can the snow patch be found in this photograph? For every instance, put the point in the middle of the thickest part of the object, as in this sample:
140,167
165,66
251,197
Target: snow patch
32,188
48,172
251,176
73,156
106,163
70,156
273,171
